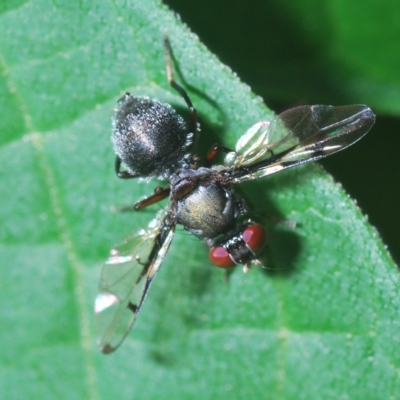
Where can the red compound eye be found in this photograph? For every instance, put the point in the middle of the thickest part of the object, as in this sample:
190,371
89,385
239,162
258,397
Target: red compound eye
219,256
254,236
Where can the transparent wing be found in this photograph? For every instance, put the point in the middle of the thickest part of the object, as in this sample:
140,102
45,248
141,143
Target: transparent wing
296,136
126,278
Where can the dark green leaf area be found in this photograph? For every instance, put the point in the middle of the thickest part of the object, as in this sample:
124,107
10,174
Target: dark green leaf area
331,52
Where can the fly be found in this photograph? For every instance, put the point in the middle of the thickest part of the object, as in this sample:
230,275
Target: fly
151,140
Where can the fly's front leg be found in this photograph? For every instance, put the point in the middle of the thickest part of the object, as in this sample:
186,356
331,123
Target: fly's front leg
170,74
123,174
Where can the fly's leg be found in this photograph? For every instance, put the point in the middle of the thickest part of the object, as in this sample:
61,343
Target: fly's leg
193,128
213,152
123,174
160,193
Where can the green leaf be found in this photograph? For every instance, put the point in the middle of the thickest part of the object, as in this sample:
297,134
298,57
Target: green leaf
321,321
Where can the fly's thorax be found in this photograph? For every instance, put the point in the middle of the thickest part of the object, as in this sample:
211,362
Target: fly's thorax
201,204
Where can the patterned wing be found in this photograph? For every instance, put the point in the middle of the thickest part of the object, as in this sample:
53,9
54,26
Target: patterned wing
126,278
296,136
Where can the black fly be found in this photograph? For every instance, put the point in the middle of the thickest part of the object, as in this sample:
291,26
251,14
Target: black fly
152,140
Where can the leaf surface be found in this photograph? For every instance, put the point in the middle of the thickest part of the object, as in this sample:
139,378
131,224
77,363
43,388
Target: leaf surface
321,321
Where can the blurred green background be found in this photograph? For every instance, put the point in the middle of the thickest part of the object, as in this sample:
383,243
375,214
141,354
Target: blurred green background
311,52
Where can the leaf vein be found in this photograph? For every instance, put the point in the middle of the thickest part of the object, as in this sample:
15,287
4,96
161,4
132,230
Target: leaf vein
77,268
